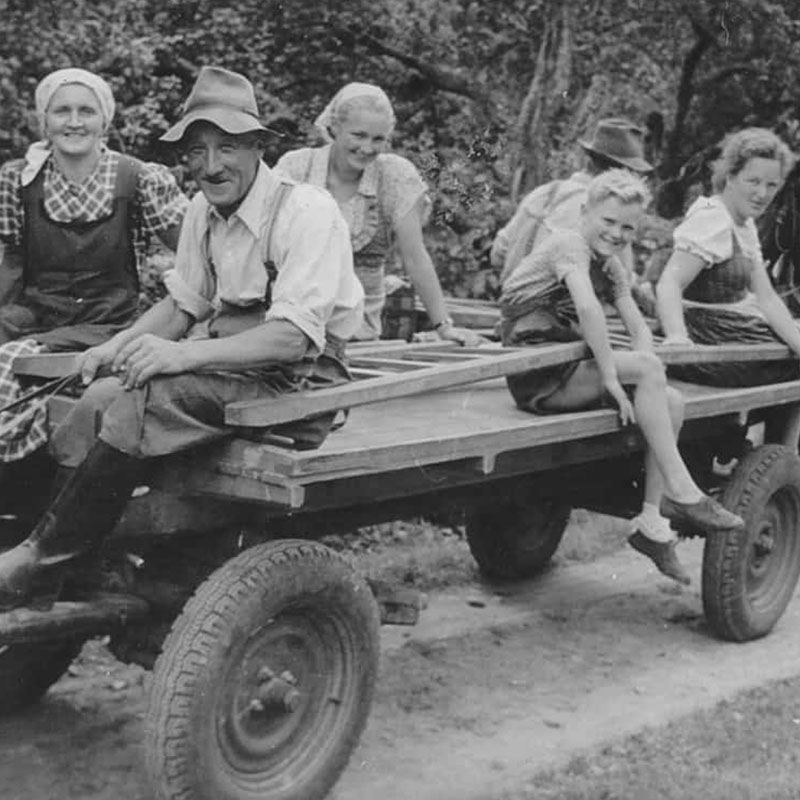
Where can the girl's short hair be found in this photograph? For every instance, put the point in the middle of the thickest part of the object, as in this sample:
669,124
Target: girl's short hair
619,183
738,148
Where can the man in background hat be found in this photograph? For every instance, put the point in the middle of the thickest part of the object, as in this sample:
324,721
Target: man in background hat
557,204
264,282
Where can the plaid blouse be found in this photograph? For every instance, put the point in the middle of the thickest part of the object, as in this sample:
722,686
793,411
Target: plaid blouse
160,203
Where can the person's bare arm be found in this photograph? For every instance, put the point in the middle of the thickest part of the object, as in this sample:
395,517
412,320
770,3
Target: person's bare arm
681,269
165,321
592,321
635,324
418,264
148,355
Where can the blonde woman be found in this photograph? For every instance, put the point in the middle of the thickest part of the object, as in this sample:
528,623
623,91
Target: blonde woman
382,197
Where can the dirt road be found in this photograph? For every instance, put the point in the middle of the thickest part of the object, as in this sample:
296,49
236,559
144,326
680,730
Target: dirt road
489,688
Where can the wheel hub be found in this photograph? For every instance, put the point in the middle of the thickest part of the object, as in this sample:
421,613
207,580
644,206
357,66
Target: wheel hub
275,693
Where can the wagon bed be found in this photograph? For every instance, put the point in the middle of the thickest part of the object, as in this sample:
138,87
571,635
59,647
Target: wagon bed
442,439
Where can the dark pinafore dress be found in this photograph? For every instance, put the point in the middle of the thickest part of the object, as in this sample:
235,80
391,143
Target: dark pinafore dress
728,282
80,279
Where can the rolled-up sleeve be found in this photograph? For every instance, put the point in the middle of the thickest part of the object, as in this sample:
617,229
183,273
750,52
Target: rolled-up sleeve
315,267
191,284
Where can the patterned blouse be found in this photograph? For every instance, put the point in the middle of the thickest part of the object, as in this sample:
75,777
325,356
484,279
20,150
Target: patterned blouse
388,190
161,204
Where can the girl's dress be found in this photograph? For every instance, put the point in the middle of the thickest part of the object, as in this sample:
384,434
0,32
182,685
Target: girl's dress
719,307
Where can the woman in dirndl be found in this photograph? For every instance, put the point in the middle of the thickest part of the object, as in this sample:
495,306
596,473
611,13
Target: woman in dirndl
75,218
715,288
382,197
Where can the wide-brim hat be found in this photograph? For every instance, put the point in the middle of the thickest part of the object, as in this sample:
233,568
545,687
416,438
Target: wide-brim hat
225,99
619,141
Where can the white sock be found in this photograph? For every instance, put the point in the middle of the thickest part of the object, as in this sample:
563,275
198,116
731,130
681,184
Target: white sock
651,524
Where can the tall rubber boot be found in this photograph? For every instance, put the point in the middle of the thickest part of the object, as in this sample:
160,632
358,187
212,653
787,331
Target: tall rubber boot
85,509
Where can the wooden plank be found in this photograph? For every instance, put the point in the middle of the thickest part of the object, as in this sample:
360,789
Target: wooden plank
360,373
498,363
303,405
101,614
46,365
394,364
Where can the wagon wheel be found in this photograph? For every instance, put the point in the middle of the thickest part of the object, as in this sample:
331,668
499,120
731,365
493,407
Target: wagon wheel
749,575
265,682
28,670
516,535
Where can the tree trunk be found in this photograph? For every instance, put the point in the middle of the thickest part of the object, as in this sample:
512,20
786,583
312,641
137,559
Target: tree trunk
546,98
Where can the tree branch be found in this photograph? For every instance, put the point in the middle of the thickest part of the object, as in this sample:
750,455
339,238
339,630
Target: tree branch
441,78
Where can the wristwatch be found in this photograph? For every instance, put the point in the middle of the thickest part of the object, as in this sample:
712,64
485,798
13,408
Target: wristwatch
443,323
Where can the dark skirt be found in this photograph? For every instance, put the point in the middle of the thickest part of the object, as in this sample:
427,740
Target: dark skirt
721,326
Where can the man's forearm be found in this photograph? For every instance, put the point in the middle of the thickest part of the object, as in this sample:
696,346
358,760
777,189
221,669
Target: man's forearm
164,319
275,341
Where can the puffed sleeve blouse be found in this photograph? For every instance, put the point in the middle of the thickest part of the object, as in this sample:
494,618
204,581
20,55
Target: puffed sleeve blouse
708,231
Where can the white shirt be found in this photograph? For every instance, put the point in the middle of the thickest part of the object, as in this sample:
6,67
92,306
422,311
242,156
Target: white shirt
316,288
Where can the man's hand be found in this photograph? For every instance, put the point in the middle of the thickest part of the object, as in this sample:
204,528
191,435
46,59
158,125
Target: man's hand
626,414
94,359
148,356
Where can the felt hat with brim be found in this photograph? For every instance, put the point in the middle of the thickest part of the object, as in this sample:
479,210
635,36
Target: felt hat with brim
223,98
619,141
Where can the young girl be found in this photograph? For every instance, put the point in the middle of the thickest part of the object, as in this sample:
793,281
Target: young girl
557,294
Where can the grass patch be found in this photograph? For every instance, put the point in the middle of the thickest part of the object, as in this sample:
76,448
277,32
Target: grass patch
747,748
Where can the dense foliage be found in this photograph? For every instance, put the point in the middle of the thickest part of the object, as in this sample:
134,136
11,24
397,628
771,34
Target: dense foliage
491,96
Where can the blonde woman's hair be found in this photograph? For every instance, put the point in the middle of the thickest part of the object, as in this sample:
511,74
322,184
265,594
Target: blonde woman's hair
738,148
619,183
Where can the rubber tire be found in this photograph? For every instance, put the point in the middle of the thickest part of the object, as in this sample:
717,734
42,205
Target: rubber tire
28,670
273,602
745,590
516,537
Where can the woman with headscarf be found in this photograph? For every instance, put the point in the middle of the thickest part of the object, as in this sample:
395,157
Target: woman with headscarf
74,217
382,197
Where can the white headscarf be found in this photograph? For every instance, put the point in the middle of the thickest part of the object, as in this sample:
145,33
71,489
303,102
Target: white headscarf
40,151
330,113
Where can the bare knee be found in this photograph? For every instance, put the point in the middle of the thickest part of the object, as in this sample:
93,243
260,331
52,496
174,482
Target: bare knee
650,369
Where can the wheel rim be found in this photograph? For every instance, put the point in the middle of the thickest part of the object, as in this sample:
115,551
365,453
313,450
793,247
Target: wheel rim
772,550
270,745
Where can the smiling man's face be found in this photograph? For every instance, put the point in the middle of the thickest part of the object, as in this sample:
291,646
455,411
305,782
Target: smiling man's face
223,164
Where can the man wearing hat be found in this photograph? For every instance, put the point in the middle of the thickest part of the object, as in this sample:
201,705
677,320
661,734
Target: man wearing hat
557,204
263,281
